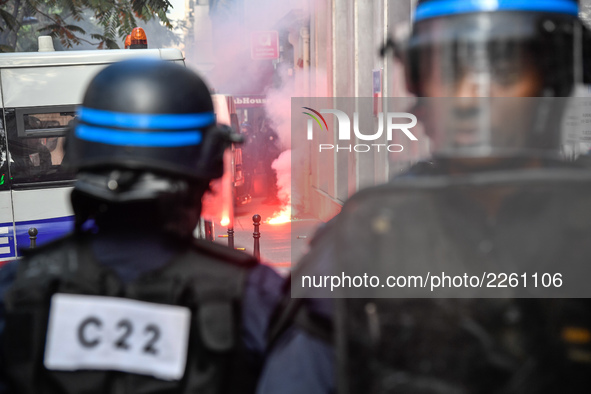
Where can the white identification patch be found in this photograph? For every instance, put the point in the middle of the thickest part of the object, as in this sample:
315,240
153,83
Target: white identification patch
107,333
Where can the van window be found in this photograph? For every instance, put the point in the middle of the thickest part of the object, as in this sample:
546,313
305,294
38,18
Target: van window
54,121
36,142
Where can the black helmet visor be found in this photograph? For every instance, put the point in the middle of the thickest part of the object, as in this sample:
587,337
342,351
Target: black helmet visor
486,65
495,54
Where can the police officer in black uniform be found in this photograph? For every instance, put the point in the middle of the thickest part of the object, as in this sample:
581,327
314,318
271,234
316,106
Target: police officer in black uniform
269,145
495,198
250,156
131,302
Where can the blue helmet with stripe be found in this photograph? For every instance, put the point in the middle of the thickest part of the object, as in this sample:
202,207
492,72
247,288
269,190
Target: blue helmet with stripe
427,9
148,115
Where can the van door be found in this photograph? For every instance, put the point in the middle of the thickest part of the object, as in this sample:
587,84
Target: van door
40,184
7,239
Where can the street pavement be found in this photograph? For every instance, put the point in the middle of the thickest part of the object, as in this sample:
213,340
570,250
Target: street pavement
281,245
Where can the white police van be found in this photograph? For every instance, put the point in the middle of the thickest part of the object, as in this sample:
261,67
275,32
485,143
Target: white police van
39,92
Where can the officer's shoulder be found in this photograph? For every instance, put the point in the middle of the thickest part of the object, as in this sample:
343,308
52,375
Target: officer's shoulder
406,190
55,246
323,231
47,258
223,253
401,200
420,168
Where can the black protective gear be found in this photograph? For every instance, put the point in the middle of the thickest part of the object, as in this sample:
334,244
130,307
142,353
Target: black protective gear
523,342
206,278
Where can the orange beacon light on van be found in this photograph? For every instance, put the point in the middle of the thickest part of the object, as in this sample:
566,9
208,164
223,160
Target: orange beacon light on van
128,41
138,39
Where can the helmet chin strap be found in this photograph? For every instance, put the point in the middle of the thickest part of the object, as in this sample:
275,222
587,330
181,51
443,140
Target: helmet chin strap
137,201
122,186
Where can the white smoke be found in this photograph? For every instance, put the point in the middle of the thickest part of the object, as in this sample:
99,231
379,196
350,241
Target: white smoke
282,166
234,72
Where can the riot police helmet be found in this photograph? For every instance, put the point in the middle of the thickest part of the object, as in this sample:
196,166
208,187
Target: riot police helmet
145,131
148,114
483,59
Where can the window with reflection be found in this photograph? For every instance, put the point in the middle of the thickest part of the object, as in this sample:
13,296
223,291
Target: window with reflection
36,138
